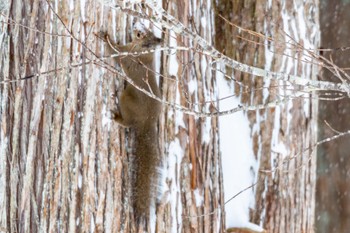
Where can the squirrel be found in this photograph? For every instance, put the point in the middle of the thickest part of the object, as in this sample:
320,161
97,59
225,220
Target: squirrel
140,112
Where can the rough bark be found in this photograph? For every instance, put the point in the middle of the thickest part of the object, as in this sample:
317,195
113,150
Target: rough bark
64,164
285,196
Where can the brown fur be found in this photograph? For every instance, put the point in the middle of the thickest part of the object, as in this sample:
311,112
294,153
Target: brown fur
140,112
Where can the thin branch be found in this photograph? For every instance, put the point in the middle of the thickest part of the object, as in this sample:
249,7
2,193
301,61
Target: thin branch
309,150
171,23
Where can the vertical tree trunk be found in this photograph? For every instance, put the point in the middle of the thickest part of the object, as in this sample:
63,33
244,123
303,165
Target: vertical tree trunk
65,166
283,137
64,163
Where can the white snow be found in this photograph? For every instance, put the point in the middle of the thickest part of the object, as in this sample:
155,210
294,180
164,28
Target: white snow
192,86
198,197
206,130
153,219
71,6
203,22
178,114
80,181
173,167
106,118
173,64
237,158
82,12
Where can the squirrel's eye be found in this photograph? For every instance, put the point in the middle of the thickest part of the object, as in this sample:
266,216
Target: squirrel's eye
138,35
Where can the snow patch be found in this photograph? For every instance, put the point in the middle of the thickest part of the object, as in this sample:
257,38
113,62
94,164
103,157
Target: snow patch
198,197
206,130
106,117
237,157
173,64
192,85
82,11
176,154
204,22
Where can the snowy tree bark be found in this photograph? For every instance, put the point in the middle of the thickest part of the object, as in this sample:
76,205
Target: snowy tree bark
283,137
64,165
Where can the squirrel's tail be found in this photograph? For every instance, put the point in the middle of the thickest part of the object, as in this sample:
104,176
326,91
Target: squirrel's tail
146,162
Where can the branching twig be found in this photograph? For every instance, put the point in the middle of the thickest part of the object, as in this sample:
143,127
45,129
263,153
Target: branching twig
171,23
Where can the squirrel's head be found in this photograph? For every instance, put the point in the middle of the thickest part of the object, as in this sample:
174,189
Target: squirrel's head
146,39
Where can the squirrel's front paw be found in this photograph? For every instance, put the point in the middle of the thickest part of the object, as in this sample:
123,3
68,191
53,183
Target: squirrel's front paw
115,114
114,97
102,35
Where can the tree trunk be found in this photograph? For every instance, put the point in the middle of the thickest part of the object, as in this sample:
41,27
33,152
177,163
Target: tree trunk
283,138
65,166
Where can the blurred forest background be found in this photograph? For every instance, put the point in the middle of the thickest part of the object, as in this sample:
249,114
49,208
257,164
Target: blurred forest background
333,164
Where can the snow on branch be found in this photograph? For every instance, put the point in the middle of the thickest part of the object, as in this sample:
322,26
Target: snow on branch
171,23
168,21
